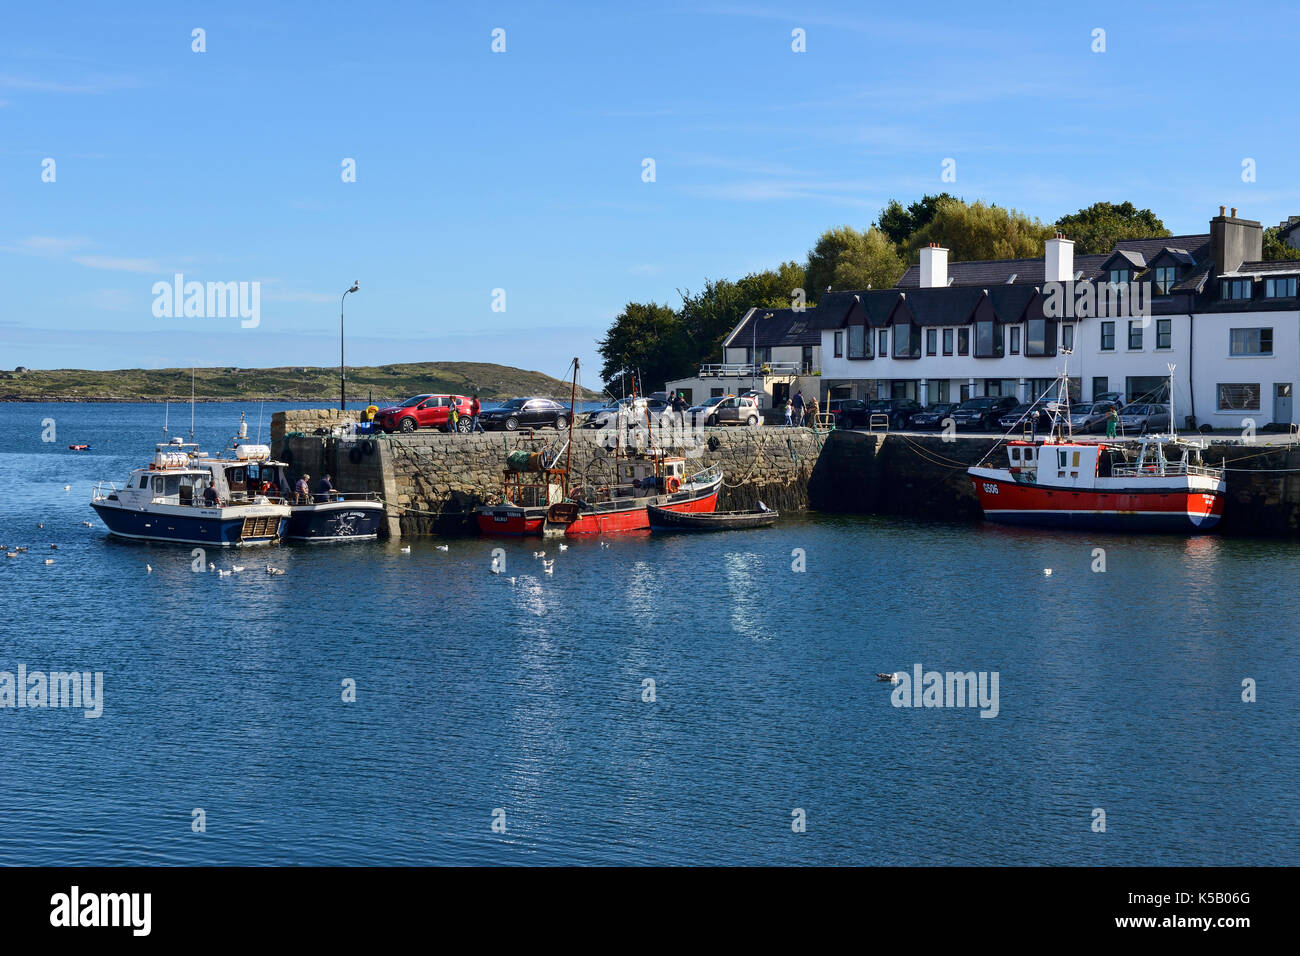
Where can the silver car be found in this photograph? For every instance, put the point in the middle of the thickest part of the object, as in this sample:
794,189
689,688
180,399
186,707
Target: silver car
1140,419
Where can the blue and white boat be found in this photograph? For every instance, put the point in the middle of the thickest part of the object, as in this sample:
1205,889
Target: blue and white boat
187,497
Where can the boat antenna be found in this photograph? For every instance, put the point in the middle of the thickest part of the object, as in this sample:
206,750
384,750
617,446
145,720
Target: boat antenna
191,403
260,406
166,409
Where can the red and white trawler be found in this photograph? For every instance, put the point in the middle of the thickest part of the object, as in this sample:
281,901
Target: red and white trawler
1153,483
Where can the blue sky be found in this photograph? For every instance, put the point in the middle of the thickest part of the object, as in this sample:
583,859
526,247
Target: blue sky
522,170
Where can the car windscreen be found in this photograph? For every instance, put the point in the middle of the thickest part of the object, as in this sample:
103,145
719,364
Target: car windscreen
413,401
1138,410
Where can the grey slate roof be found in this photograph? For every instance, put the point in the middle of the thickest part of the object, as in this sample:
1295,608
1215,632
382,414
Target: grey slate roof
1261,267
786,327
990,272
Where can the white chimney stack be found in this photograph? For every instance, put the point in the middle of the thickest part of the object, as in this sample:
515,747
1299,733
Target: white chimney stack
1058,265
934,267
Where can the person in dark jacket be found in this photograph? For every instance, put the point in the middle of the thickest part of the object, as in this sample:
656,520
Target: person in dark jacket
324,489
798,408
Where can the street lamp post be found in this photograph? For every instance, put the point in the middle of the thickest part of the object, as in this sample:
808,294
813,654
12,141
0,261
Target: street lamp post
343,399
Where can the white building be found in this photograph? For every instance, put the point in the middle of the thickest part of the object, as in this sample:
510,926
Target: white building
1228,322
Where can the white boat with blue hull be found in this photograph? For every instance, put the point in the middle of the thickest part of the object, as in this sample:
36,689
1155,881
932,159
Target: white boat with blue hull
186,497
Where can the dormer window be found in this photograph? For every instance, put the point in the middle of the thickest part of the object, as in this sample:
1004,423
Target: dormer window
1165,277
1235,289
988,339
1119,276
1280,288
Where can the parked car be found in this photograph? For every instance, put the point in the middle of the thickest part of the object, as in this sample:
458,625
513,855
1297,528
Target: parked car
931,417
697,414
1090,418
1017,417
526,413
983,413
849,412
741,410
422,411
634,409
1141,419
899,410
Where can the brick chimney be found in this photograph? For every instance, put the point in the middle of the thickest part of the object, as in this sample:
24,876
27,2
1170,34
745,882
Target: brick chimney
1234,241
1058,259
934,267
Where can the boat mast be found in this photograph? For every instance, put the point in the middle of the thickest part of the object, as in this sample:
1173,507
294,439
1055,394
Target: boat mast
191,403
1173,428
573,398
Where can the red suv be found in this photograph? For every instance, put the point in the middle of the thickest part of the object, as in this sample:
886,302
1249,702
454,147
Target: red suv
423,411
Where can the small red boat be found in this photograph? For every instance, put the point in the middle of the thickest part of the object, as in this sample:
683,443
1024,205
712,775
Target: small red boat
538,498
78,448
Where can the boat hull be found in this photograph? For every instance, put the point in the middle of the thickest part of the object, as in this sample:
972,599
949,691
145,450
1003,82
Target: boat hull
635,516
214,527
1176,507
335,521
511,521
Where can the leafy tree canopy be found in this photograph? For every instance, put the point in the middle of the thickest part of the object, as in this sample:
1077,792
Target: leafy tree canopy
845,258
1096,229
1275,248
977,231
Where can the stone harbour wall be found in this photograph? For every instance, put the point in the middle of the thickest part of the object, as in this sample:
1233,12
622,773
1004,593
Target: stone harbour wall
433,482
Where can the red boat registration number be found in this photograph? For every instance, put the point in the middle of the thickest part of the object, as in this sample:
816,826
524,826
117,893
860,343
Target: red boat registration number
990,489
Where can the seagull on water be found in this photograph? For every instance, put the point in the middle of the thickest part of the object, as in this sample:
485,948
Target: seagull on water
148,569
406,550
539,554
549,566
891,678
443,547
49,560
564,547
224,574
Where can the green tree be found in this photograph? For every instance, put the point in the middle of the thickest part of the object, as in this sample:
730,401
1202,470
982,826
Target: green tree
1275,249
899,223
1097,228
977,231
844,258
708,316
649,338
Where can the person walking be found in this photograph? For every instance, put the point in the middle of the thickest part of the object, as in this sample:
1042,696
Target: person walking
814,409
798,409
1112,422
474,410
789,410
453,415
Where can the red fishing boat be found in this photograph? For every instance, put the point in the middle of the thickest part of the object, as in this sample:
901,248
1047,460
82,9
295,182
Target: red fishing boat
538,496
1153,483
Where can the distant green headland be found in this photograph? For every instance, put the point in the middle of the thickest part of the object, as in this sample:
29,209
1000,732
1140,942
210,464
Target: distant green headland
287,384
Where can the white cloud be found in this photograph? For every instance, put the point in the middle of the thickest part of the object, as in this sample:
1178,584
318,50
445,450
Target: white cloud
118,263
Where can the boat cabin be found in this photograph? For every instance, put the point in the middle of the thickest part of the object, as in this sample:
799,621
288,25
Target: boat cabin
641,477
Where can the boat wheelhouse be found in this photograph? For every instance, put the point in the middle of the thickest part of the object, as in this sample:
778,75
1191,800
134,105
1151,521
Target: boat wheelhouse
186,497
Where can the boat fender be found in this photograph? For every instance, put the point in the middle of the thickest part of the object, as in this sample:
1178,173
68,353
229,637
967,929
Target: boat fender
354,454
714,443
368,446
673,484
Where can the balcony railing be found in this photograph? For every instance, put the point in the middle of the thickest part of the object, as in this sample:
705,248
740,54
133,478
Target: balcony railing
765,369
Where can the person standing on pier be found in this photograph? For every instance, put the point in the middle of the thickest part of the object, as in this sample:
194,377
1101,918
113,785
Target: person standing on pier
789,407
1033,424
453,414
814,409
1112,421
474,409
798,409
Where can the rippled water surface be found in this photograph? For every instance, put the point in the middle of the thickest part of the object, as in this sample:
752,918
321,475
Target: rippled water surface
1118,690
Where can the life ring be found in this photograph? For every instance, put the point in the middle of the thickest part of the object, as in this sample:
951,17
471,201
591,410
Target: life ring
673,484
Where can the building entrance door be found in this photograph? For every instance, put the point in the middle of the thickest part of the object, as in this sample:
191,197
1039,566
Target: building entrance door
1282,403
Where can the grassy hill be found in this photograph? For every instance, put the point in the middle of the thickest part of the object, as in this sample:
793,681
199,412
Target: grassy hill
280,384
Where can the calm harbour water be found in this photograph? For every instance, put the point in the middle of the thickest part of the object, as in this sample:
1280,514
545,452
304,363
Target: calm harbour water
1118,690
